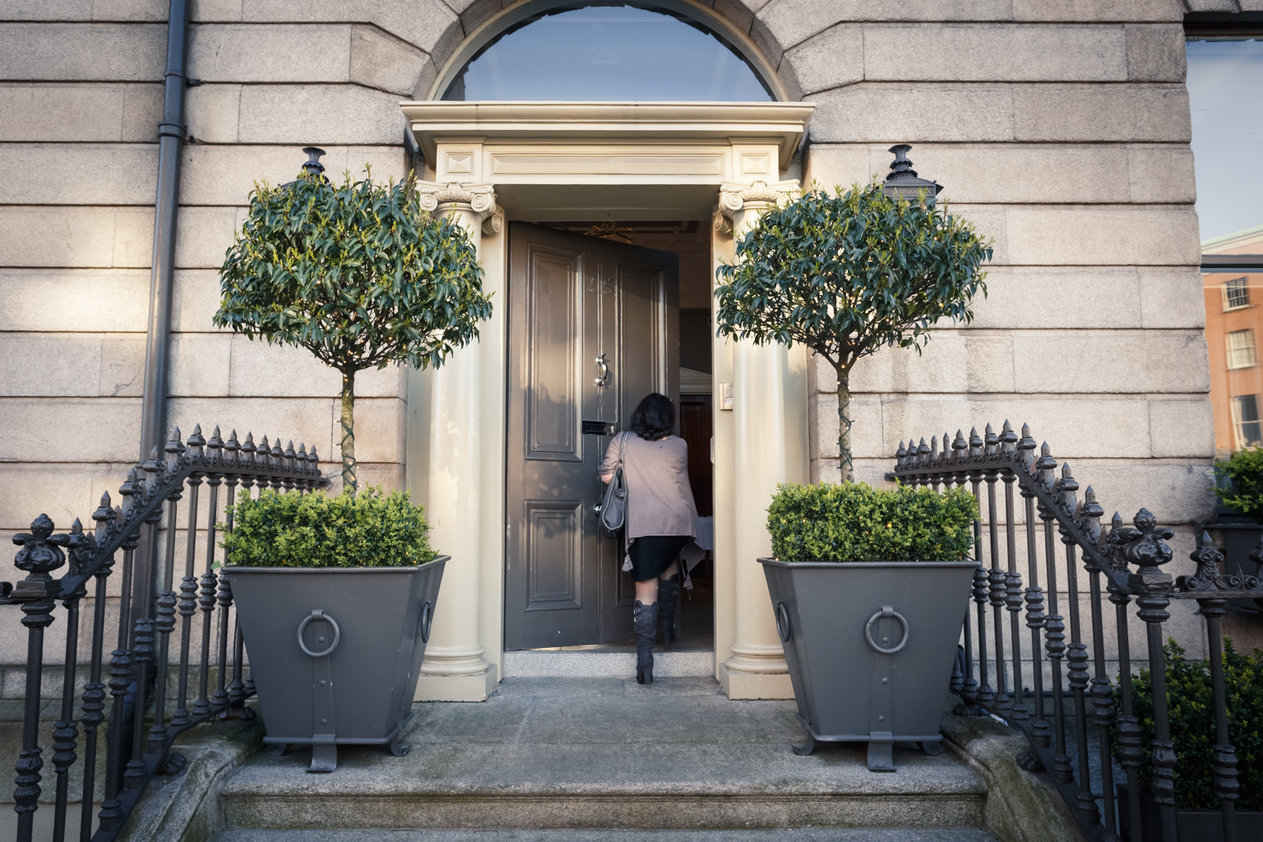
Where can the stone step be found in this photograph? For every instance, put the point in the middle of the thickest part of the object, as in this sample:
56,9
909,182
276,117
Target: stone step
507,808
606,662
603,754
858,834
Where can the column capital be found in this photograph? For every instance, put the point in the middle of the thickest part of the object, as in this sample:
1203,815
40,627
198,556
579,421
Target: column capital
475,200
736,200
493,223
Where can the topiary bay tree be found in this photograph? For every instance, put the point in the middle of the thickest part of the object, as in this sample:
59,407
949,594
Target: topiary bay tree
356,273
848,273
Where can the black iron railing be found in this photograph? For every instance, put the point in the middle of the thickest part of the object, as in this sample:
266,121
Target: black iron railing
1056,679
176,657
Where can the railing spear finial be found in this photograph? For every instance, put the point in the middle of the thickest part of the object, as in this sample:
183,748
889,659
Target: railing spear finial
1008,438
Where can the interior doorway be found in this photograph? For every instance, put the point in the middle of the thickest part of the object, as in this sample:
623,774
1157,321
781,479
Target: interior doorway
690,241
627,303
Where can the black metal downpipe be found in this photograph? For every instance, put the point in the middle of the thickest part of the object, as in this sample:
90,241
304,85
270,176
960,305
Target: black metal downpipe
171,133
153,429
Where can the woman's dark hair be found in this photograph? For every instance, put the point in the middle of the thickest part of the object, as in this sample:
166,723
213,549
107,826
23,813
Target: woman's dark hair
654,417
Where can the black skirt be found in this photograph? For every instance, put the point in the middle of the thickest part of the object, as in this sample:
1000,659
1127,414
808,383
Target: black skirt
653,554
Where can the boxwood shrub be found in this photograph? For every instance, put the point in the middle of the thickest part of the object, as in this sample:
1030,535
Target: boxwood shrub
1240,482
856,522
1191,712
292,529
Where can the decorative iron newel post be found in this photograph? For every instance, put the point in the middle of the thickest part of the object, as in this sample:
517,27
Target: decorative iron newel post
41,554
1144,546
1211,589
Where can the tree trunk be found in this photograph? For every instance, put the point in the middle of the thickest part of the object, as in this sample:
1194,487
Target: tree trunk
845,463
348,432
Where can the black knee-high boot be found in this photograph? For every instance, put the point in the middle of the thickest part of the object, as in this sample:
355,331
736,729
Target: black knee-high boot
668,599
644,623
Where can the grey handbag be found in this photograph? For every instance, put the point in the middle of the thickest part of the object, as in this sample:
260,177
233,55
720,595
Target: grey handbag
614,504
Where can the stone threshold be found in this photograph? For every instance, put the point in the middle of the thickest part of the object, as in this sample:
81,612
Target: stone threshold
605,662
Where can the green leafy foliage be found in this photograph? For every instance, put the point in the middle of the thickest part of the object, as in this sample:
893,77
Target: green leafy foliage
1240,482
358,274
847,274
855,522
1192,716
355,273
292,529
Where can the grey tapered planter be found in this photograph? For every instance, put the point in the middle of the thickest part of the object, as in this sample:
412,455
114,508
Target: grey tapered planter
335,653
870,647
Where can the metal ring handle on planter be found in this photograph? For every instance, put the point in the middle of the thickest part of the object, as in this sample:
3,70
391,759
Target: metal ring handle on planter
427,617
886,611
783,627
319,614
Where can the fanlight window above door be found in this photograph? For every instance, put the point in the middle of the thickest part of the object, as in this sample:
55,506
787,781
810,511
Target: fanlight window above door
608,53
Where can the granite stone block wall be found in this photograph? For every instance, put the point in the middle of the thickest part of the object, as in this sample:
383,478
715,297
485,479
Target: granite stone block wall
1060,129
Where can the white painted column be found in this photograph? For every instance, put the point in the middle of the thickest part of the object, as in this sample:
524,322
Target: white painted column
455,666
768,446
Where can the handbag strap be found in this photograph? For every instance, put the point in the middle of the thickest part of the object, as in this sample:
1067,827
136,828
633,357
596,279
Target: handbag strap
622,443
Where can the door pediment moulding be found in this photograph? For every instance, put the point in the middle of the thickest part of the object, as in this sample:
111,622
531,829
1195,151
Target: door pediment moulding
650,143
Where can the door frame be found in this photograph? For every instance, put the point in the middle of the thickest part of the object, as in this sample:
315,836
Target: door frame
604,296
569,161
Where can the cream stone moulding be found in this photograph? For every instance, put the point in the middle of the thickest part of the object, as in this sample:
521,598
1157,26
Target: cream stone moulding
607,143
485,161
477,200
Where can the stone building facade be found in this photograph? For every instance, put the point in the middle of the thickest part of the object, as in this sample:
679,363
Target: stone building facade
1060,129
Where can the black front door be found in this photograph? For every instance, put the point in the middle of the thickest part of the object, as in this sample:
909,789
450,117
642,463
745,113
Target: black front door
592,330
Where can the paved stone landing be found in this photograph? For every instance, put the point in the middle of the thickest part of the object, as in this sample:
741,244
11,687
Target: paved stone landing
604,754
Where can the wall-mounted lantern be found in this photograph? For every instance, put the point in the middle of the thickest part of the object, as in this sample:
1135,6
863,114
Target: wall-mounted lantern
312,166
902,181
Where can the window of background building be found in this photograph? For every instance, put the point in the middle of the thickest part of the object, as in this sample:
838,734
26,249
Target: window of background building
1245,421
1225,89
1236,293
1241,349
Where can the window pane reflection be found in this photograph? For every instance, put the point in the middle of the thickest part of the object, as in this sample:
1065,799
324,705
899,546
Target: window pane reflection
1225,92
608,53
1245,420
1225,89
1232,331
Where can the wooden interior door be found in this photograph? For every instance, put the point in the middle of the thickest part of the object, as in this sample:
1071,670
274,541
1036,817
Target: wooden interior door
696,428
592,329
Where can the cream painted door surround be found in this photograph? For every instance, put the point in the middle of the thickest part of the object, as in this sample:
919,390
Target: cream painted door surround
551,161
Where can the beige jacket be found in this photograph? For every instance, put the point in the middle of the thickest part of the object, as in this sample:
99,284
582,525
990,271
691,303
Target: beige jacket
659,498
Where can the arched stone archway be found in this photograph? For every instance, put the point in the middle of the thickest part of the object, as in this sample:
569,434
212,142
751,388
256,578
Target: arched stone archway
480,21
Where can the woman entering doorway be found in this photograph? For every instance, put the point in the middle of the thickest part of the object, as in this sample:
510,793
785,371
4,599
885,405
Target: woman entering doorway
661,519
